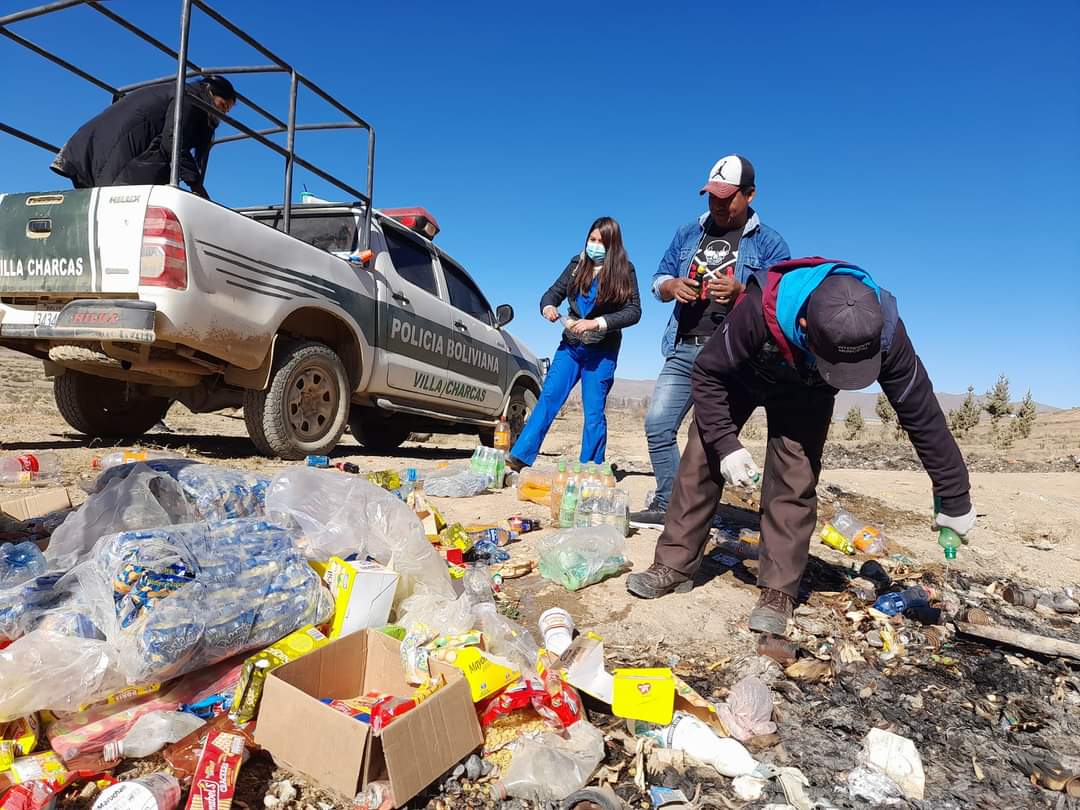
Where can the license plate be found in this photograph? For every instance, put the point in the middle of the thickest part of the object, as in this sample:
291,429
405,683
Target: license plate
46,314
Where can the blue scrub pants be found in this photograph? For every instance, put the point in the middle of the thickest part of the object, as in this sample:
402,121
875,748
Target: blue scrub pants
596,370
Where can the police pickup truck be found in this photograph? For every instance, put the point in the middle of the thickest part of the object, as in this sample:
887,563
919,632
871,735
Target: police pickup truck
141,296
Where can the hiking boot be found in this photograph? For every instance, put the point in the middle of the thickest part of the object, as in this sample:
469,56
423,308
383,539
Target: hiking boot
658,581
651,517
772,613
515,463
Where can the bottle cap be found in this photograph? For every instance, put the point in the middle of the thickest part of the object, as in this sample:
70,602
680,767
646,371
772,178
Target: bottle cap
950,553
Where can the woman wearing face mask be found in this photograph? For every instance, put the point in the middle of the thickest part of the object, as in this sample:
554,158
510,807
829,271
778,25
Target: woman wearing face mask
601,291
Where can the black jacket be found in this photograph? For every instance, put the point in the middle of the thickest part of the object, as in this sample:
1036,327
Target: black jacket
617,316
744,349
130,143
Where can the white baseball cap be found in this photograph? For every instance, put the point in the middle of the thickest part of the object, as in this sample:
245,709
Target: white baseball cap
728,175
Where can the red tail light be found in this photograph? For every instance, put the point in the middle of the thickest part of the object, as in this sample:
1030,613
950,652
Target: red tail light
164,258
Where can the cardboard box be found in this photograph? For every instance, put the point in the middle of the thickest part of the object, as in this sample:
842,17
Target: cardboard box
345,755
363,594
37,503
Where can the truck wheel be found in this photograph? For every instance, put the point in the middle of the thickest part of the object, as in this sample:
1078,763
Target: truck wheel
522,402
379,434
104,408
305,408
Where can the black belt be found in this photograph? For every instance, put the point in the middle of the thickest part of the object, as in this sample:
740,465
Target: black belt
693,340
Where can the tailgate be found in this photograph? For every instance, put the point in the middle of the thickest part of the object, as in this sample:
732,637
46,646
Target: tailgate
51,243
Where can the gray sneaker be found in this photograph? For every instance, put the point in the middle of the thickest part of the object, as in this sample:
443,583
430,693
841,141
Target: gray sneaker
772,613
658,581
651,517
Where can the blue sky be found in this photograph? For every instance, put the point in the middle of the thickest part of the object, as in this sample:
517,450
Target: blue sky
933,144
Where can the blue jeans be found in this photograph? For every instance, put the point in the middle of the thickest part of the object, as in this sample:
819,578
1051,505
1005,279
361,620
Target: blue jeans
596,370
670,403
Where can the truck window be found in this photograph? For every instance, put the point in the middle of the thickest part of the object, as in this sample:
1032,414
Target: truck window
334,233
411,260
464,294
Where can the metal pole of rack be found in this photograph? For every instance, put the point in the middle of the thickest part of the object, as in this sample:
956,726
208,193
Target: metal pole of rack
370,187
290,144
178,106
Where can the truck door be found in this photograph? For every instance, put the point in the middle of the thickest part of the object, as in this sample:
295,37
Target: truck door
412,318
476,353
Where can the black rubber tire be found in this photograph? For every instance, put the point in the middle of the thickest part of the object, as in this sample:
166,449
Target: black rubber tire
379,434
269,414
104,408
522,401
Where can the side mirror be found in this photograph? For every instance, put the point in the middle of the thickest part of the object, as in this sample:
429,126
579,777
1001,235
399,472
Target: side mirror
504,313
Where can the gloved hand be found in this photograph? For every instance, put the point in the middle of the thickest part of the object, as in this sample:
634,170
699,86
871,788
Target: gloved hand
961,525
739,469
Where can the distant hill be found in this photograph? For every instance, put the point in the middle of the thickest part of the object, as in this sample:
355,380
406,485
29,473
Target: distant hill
630,392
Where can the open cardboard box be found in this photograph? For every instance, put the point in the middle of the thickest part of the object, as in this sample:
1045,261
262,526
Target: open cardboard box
342,753
26,504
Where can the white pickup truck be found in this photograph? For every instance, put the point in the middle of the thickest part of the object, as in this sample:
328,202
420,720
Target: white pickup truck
140,296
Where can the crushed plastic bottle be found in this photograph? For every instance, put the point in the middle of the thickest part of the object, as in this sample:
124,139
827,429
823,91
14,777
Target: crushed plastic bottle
20,562
686,733
120,457
376,796
152,732
892,604
30,469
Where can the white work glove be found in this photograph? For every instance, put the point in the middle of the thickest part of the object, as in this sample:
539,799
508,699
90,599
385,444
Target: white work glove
739,469
961,525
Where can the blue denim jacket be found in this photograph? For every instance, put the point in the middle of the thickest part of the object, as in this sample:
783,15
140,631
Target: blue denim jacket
760,248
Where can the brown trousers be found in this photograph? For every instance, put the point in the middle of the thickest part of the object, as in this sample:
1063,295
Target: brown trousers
798,422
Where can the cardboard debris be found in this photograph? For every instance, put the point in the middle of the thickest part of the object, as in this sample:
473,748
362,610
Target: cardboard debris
345,755
36,504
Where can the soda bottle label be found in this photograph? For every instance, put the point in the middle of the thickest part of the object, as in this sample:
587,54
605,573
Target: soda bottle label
29,464
833,539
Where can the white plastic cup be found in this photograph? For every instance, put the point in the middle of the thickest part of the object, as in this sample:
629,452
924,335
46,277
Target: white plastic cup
557,629
158,791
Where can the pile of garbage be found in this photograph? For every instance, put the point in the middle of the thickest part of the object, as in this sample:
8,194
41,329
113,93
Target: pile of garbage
189,626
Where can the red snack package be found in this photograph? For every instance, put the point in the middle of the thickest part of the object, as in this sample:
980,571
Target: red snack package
390,707
183,756
214,782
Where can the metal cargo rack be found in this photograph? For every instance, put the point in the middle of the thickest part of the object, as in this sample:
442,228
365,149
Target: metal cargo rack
185,70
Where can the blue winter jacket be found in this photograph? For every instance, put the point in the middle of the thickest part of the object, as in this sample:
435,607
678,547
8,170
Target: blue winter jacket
760,248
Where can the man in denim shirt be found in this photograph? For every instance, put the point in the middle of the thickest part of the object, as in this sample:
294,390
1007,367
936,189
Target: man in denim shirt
703,271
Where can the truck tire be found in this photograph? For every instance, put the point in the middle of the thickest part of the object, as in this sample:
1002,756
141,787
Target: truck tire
104,408
378,434
305,408
522,402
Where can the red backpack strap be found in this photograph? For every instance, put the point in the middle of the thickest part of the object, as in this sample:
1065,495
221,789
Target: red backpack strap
768,306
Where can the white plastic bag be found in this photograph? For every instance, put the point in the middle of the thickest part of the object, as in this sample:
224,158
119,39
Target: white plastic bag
343,515
747,712
140,499
575,558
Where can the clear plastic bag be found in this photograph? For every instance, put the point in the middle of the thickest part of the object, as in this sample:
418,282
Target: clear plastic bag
575,558
342,515
747,712
461,483
139,499
550,767
20,562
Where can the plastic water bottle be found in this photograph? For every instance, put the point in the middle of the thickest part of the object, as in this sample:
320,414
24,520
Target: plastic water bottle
569,504
152,732
892,604
36,469
558,484
21,562
119,457
474,462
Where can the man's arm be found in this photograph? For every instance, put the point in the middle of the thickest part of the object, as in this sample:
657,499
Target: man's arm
669,267
908,388
191,138
737,340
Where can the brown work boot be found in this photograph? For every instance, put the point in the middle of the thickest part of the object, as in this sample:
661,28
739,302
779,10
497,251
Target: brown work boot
772,613
658,581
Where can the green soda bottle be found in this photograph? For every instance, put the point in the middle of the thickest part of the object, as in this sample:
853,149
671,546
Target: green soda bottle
949,541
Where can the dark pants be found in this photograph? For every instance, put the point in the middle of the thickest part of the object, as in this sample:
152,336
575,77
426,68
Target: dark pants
798,426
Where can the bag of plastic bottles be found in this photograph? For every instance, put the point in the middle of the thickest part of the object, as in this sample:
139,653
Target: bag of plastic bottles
459,483
20,562
341,515
576,558
141,498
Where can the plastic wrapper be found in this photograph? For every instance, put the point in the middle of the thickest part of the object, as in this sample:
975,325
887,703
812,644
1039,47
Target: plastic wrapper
141,498
550,767
341,515
576,558
216,493
461,483
747,712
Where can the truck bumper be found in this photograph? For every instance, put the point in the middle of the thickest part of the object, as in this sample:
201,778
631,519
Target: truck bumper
90,319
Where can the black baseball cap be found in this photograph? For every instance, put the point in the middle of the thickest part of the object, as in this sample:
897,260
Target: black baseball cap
220,87
843,331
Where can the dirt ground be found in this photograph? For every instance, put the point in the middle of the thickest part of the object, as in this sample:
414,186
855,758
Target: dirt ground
1029,522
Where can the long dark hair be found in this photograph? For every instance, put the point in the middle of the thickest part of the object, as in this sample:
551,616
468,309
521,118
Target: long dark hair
615,272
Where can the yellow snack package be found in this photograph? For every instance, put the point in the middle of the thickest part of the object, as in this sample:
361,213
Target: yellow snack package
485,677
253,674
18,738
